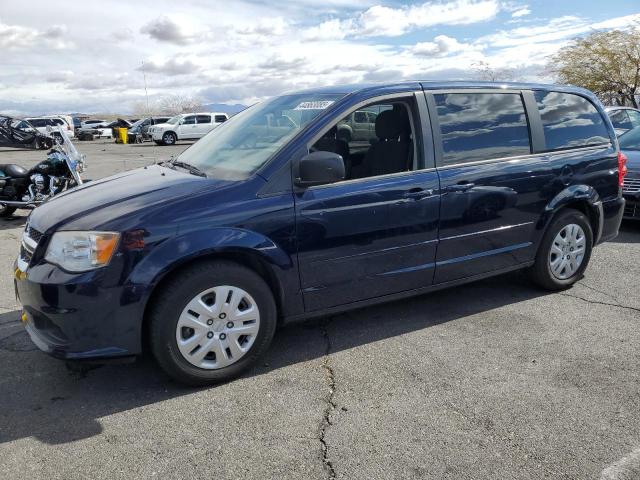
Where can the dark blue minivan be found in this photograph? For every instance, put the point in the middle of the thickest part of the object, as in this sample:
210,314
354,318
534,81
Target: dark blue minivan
316,202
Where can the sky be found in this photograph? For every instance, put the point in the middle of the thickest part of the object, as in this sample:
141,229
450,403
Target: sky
94,56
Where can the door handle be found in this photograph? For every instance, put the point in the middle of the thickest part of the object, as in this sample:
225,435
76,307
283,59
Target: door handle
460,187
417,193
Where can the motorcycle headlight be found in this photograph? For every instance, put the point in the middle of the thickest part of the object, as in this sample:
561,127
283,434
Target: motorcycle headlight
81,251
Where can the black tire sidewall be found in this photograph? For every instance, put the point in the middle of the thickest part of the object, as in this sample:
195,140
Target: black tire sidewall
542,269
179,292
169,135
7,211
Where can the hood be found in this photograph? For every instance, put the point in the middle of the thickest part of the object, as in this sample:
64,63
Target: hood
633,160
120,199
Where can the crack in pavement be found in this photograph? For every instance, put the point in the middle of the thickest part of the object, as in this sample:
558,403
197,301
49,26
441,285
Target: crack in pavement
596,302
330,403
602,292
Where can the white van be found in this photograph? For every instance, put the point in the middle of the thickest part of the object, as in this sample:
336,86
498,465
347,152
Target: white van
186,126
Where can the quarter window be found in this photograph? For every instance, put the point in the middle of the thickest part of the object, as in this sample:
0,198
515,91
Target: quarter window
634,117
220,118
482,126
570,121
620,119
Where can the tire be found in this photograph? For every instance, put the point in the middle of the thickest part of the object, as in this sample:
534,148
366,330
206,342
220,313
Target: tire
169,138
553,253
57,139
171,318
6,212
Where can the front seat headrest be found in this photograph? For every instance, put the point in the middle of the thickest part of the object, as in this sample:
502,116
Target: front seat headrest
390,124
331,133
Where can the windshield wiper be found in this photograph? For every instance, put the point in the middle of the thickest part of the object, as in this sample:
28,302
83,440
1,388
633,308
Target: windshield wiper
190,168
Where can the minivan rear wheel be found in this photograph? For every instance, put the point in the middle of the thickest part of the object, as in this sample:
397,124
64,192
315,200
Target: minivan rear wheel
565,251
211,322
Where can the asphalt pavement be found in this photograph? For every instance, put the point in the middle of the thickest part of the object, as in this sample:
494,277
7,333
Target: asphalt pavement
492,380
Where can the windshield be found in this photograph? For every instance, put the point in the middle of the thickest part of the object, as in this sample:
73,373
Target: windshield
241,145
174,120
138,123
630,140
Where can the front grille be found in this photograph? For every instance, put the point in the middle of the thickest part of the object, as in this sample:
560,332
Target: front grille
631,185
632,210
25,254
30,237
34,234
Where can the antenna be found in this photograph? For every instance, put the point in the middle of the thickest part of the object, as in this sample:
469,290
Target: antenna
146,93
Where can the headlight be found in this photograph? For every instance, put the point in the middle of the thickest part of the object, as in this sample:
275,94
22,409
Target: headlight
81,251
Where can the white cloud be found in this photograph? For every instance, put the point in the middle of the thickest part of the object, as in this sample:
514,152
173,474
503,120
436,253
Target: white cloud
334,29
174,66
383,21
170,30
521,12
442,45
17,37
386,21
267,26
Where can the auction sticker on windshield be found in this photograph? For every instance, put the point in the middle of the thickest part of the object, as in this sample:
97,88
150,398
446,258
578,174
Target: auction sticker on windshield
318,105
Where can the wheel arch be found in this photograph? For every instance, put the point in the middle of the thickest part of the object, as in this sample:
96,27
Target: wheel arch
170,131
265,265
583,198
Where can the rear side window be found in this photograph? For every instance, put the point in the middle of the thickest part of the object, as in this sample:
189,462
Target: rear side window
482,126
204,118
570,121
220,118
40,122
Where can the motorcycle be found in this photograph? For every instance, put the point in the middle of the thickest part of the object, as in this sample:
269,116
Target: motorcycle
22,188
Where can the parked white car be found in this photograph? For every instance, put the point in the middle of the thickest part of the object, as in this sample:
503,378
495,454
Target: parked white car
94,123
186,126
41,124
64,121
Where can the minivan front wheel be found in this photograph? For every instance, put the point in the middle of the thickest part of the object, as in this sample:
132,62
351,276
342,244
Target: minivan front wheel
564,252
211,322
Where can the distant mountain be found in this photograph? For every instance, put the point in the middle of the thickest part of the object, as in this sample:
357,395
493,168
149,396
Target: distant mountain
224,108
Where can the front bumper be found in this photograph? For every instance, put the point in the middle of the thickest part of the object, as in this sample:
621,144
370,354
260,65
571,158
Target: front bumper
631,193
156,136
72,317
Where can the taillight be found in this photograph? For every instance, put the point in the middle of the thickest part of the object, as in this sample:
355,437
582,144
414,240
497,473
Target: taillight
622,167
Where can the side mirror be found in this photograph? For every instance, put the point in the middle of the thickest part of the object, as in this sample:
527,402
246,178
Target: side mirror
318,168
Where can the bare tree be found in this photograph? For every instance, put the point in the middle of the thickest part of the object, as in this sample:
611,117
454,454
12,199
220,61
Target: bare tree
139,108
485,71
607,63
175,104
